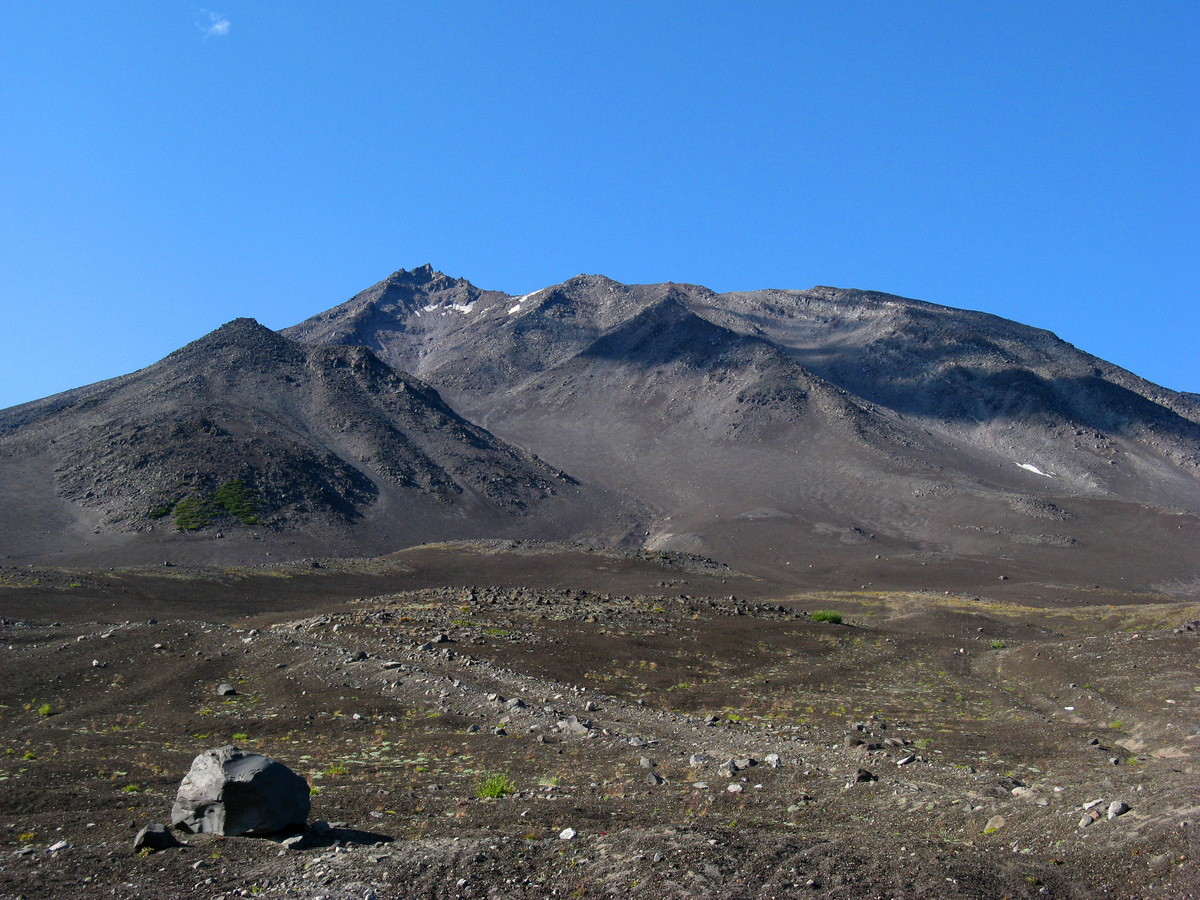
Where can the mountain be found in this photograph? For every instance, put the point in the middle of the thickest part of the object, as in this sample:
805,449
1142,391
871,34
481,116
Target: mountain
779,426
826,436
245,436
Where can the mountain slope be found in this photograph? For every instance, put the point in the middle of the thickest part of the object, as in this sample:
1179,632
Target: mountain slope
769,424
312,439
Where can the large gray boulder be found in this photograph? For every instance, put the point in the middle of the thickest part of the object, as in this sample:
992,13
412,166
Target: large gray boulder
231,791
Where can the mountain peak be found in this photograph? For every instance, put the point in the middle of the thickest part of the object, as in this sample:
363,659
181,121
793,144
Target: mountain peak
424,277
241,337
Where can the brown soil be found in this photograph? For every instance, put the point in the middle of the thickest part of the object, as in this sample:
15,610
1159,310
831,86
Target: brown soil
1014,708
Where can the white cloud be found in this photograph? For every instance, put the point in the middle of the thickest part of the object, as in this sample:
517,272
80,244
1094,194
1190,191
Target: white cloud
216,26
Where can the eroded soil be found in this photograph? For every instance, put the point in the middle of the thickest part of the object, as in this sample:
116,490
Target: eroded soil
988,725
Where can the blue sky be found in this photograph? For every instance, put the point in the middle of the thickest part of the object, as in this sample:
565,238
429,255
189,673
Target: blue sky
168,167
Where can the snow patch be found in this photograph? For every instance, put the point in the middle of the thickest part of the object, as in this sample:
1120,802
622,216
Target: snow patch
463,308
515,308
431,308
1030,467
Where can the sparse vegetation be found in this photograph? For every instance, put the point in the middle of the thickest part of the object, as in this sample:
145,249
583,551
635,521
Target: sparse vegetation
234,498
827,615
239,500
998,645
192,514
494,786
45,710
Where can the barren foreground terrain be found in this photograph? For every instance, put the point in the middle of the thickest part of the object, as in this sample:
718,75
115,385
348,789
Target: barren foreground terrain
933,744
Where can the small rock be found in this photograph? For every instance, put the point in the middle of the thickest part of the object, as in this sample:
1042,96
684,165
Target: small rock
155,836
746,762
905,760
734,788
729,767
567,834
225,689
696,760
63,845
590,706
995,823
773,760
1117,808
645,762
515,703
653,778
1085,821
862,775
574,725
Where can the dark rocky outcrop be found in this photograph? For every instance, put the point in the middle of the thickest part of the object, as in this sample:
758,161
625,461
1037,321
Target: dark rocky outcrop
230,791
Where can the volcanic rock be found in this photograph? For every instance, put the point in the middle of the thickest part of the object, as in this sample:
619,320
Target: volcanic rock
229,791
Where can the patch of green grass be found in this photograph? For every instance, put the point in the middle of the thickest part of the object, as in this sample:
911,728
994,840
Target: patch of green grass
336,769
241,736
235,498
192,514
239,500
494,786
827,615
998,645
45,710
131,789
1116,724
496,632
